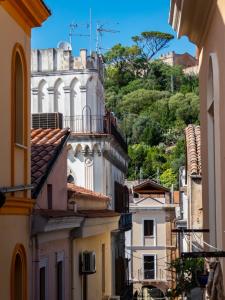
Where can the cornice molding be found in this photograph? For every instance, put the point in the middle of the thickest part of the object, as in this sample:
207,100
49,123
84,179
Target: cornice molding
17,206
107,154
192,18
27,13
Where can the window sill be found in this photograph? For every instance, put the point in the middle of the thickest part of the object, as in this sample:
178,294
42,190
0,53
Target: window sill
21,146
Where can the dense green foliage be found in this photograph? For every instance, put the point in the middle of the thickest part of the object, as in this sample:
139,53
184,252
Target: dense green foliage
154,102
187,273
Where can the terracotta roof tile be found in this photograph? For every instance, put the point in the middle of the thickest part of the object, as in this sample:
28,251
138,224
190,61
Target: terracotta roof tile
45,146
193,144
83,192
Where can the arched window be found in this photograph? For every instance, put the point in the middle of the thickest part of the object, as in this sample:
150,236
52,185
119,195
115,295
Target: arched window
19,274
18,278
19,92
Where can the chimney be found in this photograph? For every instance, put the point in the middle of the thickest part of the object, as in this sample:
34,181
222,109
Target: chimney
83,55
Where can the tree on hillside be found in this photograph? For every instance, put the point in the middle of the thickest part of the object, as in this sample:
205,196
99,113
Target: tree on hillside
151,42
140,100
121,62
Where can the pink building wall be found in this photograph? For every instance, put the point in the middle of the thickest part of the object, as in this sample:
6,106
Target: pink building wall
49,246
58,179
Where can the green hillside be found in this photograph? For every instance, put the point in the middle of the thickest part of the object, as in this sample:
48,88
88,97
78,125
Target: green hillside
153,103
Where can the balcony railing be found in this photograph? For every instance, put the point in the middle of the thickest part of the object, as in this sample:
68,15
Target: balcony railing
95,124
85,124
152,274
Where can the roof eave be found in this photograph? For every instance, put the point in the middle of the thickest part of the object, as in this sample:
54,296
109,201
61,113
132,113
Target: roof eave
191,18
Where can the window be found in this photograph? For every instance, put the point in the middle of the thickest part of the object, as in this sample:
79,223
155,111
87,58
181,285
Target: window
19,274
18,278
43,278
19,101
103,268
59,280
60,275
149,267
148,228
42,283
49,195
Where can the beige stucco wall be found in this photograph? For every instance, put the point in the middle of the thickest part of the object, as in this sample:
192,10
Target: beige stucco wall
161,247
214,44
13,230
94,281
159,217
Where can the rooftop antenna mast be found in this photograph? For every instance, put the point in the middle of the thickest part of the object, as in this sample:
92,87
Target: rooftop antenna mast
74,26
90,30
99,33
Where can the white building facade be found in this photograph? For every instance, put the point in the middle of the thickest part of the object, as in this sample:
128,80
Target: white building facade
71,90
73,86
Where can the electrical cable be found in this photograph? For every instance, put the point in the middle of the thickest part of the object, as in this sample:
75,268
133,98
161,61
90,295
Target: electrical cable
157,259
210,246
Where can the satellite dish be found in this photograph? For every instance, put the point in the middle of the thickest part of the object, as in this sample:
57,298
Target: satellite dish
64,45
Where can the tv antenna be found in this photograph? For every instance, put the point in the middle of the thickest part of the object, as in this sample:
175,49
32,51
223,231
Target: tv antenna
74,27
100,29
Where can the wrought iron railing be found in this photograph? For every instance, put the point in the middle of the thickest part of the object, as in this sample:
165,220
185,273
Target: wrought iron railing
152,274
85,124
95,124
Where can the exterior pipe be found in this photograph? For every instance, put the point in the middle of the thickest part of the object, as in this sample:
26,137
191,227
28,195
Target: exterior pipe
18,188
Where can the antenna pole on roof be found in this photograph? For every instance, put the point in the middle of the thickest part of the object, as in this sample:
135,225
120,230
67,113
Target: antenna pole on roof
90,30
100,29
74,27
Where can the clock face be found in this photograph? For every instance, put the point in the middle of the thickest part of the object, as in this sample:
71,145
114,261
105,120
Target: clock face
88,161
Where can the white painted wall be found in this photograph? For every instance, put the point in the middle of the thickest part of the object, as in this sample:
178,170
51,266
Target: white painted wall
73,86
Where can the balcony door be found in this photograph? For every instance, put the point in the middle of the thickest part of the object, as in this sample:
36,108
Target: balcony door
86,119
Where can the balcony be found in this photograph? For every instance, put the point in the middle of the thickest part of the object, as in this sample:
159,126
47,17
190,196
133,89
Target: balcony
122,206
96,124
125,222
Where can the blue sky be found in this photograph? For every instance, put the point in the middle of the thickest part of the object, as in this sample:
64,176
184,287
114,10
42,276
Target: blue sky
129,17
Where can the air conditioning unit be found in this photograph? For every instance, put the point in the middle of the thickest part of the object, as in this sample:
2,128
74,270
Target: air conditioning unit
88,262
47,120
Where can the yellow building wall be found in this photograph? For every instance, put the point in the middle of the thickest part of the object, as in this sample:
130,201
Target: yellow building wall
94,281
13,230
11,35
14,220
